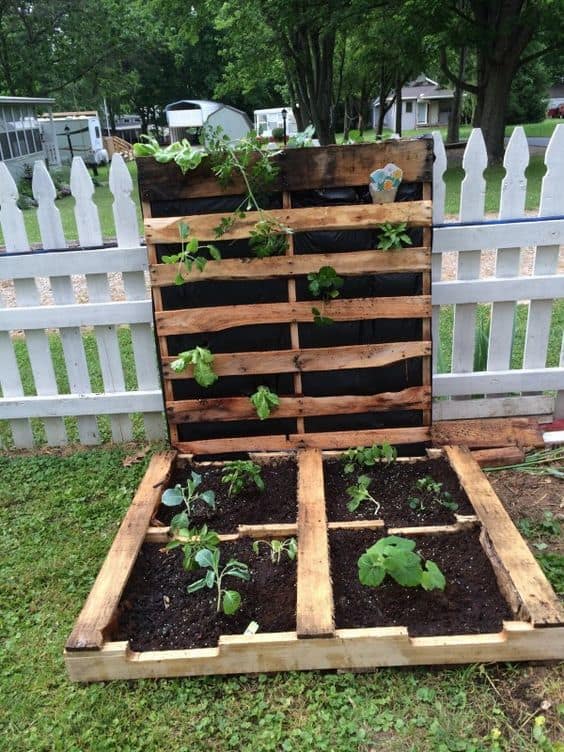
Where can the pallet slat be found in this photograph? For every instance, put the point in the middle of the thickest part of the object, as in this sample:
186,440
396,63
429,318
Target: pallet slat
350,263
241,408
314,609
300,170
488,432
513,561
309,359
219,318
325,440
112,578
202,226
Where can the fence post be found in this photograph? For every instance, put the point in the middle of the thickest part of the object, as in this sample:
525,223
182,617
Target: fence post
439,193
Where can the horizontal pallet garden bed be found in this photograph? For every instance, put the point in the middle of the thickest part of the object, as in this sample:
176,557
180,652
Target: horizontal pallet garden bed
532,627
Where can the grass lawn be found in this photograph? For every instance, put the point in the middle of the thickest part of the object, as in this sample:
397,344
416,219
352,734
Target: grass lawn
59,514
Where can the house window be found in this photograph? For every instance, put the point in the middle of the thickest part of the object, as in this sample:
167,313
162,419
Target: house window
408,108
19,132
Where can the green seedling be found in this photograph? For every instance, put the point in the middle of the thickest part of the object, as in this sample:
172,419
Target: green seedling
241,473
192,540
434,492
264,401
368,456
547,526
181,152
393,236
277,548
192,254
201,360
228,600
320,319
396,557
360,493
188,496
269,237
324,284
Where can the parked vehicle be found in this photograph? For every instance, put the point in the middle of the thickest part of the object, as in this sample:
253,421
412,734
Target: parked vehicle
78,134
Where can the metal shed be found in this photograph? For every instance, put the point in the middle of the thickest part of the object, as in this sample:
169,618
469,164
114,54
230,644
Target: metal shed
186,117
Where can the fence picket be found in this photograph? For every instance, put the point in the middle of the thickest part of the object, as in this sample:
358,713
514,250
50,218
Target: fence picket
85,210
472,201
439,194
546,257
135,286
512,206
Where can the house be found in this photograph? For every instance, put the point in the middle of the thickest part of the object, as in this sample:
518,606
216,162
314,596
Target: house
77,134
187,117
128,127
424,103
555,106
269,119
22,141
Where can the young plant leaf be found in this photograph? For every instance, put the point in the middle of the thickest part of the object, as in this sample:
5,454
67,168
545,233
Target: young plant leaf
172,497
231,602
264,401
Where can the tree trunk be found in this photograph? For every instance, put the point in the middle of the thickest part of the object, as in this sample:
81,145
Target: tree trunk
453,134
399,104
346,126
492,109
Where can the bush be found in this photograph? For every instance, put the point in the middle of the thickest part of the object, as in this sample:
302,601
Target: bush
278,134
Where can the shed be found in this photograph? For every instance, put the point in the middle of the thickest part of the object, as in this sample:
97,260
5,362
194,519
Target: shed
187,117
21,139
424,104
268,119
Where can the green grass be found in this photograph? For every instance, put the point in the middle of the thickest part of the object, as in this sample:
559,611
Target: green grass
93,362
102,198
58,515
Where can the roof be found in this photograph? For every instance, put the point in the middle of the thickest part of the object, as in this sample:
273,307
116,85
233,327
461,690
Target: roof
206,105
26,100
271,110
422,88
556,91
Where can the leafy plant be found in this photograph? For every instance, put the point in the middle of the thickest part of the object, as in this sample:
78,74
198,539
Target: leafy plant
553,566
360,493
201,360
188,496
239,473
299,140
229,600
324,284
192,540
368,456
288,546
393,236
269,237
180,152
264,401
396,557
434,491
548,525
191,254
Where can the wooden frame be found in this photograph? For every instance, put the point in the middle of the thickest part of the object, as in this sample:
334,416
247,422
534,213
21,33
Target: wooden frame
535,633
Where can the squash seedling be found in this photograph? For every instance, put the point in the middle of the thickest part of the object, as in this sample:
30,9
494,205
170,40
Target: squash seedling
434,492
201,360
192,254
264,401
192,540
368,456
241,473
360,493
228,600
396,557
393,236
277,548
324,284
188,495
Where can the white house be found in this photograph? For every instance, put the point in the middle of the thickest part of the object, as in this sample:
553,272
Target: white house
77,134
424,104
21,139
188,116
556,96
270,118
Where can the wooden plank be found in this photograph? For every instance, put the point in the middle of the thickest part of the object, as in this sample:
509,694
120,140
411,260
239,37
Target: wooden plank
314,609
325,440
515,561
241,408
498,457
347,264
112,578
512,380
348,649
426,365
63,263
300,169
354,217
489,432
496,290
492,407
218,318
468,237
66,405
309,359
77,314
12,387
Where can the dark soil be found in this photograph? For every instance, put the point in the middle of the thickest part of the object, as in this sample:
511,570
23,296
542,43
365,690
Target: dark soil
470,603
156,612
277,503
392,485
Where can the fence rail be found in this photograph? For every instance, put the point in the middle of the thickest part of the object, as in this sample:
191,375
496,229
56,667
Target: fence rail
37,306
31,316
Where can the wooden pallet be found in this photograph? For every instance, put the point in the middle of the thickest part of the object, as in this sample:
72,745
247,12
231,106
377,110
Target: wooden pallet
535,633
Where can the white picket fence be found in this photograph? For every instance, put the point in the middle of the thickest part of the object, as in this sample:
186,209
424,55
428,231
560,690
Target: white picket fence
63,269
506,391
